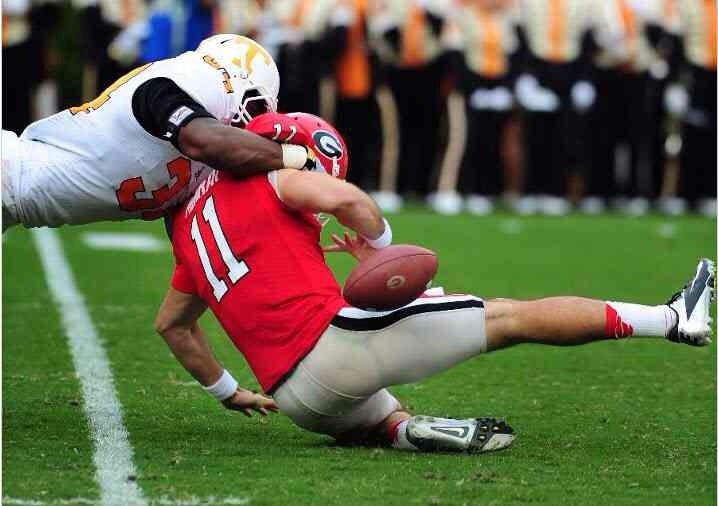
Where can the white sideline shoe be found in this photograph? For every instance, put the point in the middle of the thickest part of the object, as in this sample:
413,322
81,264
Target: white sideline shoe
554,206
388,202
592,206
446,203
707,207
526,205
432,434
692,306
637,206
672,206
479,205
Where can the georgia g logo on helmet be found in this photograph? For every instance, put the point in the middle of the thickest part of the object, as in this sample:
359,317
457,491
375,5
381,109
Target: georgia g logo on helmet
330,147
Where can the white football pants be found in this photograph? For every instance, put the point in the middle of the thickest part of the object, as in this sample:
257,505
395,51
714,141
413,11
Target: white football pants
339,387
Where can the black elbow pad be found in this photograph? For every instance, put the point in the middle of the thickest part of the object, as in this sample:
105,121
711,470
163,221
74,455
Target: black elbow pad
162,108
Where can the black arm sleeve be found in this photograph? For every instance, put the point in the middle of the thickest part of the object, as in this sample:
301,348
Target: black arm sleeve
162,108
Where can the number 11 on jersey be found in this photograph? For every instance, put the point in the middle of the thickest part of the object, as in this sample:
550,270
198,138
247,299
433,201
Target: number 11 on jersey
237,269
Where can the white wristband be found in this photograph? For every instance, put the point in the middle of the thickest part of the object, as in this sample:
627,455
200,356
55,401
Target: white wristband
224,388
383,240
294,156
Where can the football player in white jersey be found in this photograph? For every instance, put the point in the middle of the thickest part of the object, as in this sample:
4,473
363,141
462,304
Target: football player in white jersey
148,140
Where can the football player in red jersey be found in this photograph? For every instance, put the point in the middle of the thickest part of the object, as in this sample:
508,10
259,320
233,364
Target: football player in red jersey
249,250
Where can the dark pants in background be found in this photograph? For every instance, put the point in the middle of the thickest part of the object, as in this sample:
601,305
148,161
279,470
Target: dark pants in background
482,166
300,68
97,34
554,141
417,93
622,112
25,65
359,122
698,158
20,77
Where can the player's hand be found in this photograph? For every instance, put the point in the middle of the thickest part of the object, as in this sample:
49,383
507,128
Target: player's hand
356,246
247,401
280,128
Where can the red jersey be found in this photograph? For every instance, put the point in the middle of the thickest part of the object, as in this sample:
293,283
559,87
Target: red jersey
259,267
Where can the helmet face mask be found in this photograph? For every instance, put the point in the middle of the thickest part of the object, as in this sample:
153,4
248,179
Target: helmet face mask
253,104
253,75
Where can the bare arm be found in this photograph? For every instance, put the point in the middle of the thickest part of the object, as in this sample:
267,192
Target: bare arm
317,192
232,149
176,322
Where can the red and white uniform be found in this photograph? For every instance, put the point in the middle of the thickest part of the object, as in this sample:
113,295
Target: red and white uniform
268,285
259,266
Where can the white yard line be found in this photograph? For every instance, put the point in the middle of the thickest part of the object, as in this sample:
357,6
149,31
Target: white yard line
160,501
123,241
667,230
115,472
511,226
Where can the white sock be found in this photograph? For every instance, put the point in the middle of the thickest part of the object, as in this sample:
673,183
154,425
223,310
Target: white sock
624,319
400,441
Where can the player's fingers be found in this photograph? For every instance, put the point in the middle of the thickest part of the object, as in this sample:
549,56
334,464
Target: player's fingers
262,411
338,245
350,243
246,412
270,405
336,240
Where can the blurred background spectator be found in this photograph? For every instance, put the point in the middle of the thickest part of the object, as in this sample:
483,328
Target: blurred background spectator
27,60
621,171
589,105
482,51
556,94
407,36
356,112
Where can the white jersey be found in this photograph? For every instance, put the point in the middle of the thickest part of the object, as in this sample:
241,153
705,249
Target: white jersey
96,162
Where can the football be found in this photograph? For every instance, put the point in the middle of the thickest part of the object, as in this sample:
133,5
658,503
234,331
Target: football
391,277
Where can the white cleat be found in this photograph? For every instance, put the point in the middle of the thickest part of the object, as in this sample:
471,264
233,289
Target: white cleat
431,434
692,306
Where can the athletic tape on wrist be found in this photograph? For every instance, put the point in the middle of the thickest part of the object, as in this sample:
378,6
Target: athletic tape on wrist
383,240
294,156
224,388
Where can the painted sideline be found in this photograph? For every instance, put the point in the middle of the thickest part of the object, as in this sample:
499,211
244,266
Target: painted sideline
115,473
160,501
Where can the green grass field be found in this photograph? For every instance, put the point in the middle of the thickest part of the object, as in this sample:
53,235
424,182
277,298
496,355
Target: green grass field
630,422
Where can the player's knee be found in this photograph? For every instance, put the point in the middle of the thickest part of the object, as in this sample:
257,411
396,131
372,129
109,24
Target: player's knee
502,321
501,309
